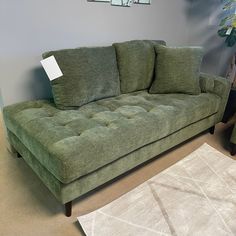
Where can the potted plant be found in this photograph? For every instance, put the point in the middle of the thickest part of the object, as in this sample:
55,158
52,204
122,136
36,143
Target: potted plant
228,30
228,22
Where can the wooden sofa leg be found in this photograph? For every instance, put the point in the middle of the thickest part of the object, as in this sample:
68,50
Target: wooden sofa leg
68,208
212,130
233,149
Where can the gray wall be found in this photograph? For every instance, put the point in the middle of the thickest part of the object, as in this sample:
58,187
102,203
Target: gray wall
29,28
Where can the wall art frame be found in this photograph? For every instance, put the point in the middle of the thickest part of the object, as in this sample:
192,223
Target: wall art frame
123,3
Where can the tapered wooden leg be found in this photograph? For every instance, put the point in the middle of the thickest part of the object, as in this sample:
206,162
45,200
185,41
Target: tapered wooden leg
68,208
233,149
212,130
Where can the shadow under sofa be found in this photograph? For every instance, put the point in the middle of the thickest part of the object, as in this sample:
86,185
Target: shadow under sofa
75,151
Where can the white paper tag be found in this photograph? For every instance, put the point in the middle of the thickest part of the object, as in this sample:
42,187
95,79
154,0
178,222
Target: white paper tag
51,68
228,32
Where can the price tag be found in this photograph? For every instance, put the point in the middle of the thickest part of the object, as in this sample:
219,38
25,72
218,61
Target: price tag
51,68
228,32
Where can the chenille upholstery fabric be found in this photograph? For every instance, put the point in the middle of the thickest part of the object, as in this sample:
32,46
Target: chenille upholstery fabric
136,62
177,70
89,74
91,133
216,85
73,143
67,192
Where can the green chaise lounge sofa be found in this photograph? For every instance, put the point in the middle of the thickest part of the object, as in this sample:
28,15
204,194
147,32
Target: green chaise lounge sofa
106,118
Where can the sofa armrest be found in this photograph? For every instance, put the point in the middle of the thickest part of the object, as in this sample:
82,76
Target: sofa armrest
217,85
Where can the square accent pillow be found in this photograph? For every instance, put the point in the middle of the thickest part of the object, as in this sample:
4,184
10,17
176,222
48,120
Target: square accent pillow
136,62
177,70
89,74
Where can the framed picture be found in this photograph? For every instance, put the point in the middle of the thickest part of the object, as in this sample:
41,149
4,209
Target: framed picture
148,2
99,0
123,3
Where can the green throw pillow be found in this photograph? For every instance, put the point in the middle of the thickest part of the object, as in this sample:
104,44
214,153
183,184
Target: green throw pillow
89,74
136,62
177,70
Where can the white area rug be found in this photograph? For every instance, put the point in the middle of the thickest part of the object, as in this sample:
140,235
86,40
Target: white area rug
196,196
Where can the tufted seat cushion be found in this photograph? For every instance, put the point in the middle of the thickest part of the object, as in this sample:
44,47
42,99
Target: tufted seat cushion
73,143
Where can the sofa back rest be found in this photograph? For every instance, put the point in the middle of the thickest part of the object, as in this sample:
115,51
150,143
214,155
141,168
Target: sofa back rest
136,63
89,74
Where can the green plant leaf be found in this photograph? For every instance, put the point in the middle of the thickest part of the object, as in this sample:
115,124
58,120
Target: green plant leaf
222,32
229,21
229,5
231,39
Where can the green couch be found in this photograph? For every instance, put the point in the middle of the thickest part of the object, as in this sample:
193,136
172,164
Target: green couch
73,150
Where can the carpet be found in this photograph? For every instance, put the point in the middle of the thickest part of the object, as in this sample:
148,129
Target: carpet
195,196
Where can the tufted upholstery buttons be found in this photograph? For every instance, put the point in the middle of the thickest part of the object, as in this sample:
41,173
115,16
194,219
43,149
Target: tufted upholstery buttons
95,127
128,117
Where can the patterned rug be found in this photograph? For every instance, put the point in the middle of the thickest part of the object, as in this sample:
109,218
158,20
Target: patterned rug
196,196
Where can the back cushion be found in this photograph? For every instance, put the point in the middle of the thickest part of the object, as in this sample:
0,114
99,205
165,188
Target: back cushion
89,74
136,62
